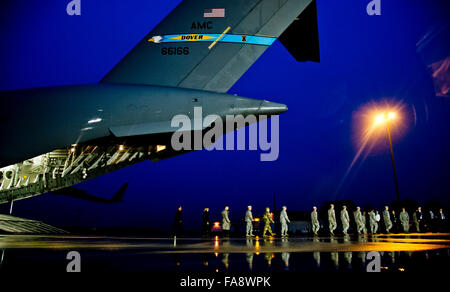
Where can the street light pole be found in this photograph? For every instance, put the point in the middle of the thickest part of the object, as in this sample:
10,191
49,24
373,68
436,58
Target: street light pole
393,161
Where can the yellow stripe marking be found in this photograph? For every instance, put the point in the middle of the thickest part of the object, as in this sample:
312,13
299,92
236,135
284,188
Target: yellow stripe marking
218,39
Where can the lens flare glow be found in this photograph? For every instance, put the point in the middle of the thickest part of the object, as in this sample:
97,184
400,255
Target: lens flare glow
379,119
371,120
370,123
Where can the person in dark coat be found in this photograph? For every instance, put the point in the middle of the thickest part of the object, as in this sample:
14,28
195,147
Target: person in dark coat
417,218
206,224
430,221
394,221
178,222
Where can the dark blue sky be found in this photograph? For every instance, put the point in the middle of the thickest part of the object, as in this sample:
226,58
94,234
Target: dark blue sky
363,59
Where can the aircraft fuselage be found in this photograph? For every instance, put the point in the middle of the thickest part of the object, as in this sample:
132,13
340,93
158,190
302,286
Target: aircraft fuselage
57,136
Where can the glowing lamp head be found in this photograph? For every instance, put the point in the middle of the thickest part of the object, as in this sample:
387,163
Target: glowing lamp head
383,117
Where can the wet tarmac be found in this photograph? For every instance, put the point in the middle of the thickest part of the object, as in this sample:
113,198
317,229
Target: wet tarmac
397,252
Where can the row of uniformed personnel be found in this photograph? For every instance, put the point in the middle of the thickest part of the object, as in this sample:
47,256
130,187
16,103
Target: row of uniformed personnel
360,220
359,217
267,218
226,222
374,219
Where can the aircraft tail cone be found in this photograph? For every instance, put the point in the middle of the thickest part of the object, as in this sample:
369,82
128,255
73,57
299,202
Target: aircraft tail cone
272,108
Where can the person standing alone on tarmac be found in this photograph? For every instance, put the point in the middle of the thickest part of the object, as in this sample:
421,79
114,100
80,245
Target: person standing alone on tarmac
284,220
387,219
404,220
267,221
345,220
315,221
249,221
226,223
206,224
178,222
332,219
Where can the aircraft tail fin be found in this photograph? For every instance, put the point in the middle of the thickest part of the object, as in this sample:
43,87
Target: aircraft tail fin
119,194
209,45
301,38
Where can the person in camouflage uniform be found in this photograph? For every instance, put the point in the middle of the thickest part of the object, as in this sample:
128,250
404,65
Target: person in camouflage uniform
373,222
404,220
387,219
267,221
315,221
359,220
249,221
364,222
226,223
345,219
284,220
332,219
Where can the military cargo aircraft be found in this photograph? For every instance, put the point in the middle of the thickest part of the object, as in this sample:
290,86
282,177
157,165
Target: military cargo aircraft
56,137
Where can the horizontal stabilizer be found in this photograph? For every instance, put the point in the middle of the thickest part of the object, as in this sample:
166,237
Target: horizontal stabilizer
118,196
301,38
83,195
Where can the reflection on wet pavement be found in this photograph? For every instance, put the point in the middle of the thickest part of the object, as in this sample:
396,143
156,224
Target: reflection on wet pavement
398,252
